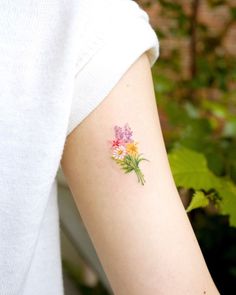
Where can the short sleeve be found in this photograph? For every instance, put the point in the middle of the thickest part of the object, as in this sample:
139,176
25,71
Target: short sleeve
118,32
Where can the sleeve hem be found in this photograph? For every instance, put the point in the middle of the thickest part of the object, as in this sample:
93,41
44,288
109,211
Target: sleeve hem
97,78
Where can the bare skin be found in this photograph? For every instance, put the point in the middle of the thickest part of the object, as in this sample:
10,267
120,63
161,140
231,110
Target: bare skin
141,233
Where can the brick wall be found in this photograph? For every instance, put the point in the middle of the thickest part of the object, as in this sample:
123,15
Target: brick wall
216,19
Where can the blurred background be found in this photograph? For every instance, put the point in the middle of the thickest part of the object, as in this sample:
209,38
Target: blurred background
195,85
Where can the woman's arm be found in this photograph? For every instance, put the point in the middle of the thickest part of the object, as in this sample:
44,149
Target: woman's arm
141,233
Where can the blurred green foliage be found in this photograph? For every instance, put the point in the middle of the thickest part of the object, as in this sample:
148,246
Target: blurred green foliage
198,118
199,127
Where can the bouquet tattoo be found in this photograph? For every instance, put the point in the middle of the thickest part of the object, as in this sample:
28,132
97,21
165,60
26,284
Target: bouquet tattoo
125,151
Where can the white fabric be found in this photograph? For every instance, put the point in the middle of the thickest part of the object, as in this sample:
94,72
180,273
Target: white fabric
58,60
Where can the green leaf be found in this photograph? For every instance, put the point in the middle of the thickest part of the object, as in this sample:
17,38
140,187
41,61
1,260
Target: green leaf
228,203
190,170
139,158
198,200
127,169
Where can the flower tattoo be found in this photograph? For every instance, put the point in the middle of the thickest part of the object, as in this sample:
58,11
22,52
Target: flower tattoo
125,151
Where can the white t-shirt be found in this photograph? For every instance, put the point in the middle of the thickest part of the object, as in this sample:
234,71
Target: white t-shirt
58,60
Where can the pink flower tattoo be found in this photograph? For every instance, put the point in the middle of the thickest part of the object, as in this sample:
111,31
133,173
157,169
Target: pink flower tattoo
125,151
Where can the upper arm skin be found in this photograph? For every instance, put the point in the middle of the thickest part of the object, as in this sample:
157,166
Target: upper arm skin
141,233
